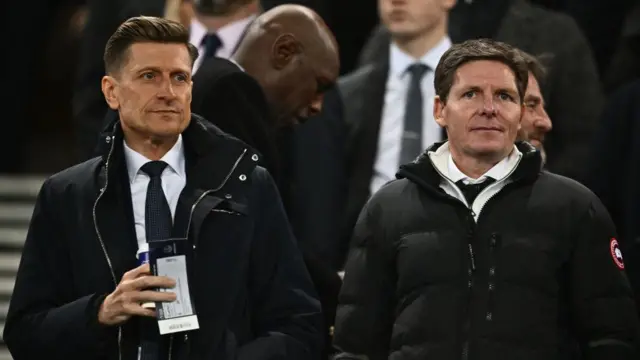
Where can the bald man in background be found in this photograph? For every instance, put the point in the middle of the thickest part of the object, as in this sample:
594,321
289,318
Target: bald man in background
276,80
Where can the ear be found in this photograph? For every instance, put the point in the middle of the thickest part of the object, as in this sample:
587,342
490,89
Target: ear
439,111
285,48
109,91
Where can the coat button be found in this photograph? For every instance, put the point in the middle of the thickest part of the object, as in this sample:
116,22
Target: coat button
491,286
492,271
254,157
228,196
489,316
107,139
243,177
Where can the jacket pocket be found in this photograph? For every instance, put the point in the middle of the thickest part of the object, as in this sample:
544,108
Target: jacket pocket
231,208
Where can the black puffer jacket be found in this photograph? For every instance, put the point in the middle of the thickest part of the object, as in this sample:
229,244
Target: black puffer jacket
542,278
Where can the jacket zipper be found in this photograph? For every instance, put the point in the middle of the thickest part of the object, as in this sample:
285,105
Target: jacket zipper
470,218
489,315
193,207
224,182
471,232
99,235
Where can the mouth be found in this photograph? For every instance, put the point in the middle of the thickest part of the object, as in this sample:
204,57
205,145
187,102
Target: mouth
398,15
487,128
166,111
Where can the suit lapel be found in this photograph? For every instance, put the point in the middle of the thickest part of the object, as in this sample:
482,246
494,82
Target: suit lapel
363,99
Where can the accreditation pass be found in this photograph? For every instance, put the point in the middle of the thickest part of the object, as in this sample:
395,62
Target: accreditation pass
178,315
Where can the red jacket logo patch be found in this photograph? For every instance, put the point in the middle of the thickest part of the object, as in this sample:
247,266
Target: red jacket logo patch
616,254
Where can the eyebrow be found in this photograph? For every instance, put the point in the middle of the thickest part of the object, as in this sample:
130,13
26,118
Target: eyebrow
471,88
156,69
534,98
477,88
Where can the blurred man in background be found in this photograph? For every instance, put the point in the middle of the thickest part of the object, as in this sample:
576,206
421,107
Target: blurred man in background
387,105
277,79
535,120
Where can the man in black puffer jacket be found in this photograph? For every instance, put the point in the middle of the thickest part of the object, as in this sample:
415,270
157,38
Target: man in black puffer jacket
475,252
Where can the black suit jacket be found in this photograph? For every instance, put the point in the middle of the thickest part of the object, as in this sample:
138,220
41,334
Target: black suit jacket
572,88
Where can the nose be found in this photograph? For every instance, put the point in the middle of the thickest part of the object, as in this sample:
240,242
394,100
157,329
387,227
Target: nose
488,107
315,107
543,122
166,89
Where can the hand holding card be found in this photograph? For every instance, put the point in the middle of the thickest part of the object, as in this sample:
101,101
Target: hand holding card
134,289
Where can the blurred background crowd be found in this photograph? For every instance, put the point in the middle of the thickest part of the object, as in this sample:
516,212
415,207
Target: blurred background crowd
54,45
591,91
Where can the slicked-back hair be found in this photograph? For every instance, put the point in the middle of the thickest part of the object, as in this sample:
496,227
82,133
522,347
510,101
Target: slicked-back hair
475,50
144,29
535,66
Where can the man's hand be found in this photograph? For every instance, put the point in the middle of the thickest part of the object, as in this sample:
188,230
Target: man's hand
126,300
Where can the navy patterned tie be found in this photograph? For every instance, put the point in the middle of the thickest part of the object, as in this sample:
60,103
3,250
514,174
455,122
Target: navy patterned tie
158,224
412,135
157,215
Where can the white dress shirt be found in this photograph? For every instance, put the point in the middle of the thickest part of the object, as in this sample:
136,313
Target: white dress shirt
174,178
450,173
229,35
395,98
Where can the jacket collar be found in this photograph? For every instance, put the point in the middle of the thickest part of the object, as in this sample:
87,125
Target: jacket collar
205,146
423,172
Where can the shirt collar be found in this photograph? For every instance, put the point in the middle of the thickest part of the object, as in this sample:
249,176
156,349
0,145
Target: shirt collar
443,162
498,172
399,61
174,158
229,34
